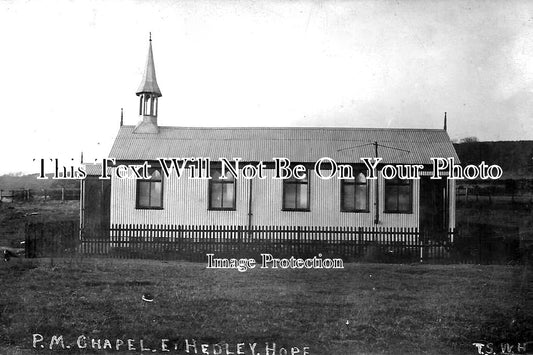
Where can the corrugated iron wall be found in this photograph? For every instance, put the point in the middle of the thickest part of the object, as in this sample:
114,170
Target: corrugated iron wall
185,201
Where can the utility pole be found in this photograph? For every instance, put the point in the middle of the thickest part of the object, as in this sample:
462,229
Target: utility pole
376,203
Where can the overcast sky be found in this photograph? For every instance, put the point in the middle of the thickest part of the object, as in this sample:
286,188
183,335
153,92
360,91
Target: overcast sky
69,66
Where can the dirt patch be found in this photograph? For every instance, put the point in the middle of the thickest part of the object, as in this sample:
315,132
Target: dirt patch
118,283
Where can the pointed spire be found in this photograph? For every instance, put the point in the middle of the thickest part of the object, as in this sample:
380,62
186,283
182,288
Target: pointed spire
121,116
149,81
149,94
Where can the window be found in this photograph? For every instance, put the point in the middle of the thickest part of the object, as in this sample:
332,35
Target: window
354,194
296,194
398,196
150,191
222,193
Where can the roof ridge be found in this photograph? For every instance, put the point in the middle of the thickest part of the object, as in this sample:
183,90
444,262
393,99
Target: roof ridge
294,128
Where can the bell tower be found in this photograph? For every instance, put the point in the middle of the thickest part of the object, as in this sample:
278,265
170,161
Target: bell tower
149,94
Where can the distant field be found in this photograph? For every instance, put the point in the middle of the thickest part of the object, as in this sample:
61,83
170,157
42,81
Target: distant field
496,213
363,309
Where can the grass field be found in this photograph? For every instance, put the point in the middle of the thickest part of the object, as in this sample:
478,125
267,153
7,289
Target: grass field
361,309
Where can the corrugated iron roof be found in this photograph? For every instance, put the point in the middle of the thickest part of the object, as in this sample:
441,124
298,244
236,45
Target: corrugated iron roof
93,169
299,144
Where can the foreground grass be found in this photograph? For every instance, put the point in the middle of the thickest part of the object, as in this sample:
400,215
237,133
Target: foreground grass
362,309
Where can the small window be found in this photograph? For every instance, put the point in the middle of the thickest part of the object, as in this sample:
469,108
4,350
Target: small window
354,194
222,192
399,196
296,194
150,191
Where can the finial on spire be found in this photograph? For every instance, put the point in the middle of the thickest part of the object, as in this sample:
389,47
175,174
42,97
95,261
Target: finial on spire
150,36
121,116
445,123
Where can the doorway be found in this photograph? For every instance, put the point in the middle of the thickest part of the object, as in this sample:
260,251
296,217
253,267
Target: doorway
433,205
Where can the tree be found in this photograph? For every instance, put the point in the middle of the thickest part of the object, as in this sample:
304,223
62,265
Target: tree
469,140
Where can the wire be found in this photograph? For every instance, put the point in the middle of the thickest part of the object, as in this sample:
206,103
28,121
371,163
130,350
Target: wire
378,144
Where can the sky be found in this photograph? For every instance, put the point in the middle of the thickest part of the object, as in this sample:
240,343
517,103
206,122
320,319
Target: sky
68,67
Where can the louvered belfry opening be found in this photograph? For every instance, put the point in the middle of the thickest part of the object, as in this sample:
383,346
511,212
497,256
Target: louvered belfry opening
148,104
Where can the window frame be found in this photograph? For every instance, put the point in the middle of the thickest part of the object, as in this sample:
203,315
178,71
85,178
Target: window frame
149,182
297,182
395,183
355,184
229,180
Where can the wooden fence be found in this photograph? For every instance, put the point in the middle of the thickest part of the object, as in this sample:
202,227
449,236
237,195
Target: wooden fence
180,242
466,195
194,242
61,193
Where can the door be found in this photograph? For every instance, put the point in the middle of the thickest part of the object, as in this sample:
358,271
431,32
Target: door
433,205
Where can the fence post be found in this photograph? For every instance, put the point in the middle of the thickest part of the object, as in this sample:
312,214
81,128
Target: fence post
358,242
479,258
421,242
239,234
26,239
452,234
179,238
298,237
